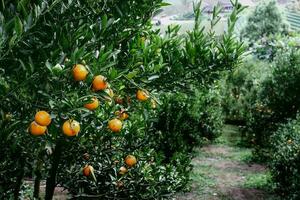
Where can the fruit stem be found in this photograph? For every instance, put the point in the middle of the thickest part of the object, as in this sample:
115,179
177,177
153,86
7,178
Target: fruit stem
51,180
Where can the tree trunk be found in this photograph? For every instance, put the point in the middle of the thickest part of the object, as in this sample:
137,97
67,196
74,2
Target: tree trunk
51,180
37,181
20,177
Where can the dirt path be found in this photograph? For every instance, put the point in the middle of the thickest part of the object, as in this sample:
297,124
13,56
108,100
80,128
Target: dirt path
222,172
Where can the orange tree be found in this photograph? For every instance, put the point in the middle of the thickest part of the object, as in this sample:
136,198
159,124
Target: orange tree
90,65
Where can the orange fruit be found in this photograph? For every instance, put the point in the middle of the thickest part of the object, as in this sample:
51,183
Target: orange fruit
93,105
87,170
123,170
79,72
99,83
71,128
130,160
142,95
42,118
290,141
115,125
122,115
36,129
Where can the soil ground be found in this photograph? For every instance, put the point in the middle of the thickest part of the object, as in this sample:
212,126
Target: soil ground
223,171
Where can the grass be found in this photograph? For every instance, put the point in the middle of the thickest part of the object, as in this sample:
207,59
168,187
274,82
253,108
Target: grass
204,181
224,169
258,181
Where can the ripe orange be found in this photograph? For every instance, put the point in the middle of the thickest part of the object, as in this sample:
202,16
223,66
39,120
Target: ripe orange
93,105
79,72
115,125
36,129
142,95
71,128
42,118
87,170
99,83
123,170
130,160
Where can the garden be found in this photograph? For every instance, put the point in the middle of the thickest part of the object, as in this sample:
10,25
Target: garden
97,103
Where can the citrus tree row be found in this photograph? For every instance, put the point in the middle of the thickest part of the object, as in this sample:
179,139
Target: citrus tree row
72,143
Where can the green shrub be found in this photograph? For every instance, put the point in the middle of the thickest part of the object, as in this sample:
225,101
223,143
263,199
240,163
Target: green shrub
186,120
285,159
280,92
240,89
207,105
266,48
278,98
260,95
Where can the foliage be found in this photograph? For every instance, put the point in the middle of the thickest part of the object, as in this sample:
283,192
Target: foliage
278,97
152,177
285,159
240,89
266,48
264,21
40,43
263,95
187,120
199,58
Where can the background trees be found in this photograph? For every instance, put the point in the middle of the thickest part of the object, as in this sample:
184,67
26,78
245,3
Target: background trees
263,96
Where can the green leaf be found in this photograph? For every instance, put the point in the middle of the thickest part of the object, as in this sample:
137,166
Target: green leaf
132,74
104,22
12,41
18,26
153,77
164,4
113,73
